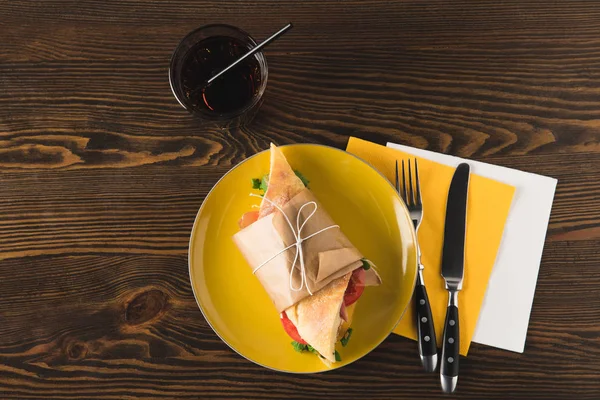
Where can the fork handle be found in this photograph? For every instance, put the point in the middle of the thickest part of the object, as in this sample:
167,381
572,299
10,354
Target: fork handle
425,328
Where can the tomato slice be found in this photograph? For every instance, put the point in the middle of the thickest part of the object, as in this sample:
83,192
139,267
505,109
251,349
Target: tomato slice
356,287
290,328
248,219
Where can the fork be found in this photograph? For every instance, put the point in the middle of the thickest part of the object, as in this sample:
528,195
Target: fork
425,329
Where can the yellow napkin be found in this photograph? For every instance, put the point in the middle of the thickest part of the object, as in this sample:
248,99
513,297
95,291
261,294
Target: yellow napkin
487,209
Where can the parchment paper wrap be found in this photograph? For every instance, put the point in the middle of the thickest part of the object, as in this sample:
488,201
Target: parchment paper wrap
327,256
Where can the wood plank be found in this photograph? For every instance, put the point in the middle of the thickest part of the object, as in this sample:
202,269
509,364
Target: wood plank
472,103
147,210
128,325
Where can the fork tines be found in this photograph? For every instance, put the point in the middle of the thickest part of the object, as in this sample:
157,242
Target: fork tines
411,194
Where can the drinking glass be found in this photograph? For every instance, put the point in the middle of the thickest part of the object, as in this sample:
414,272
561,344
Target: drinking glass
231,100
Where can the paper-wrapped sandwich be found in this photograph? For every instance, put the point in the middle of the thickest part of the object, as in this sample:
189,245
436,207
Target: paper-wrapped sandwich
310,270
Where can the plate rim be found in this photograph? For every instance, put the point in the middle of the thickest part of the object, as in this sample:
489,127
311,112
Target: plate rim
192,235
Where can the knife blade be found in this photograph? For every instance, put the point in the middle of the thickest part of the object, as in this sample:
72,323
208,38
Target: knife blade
453,258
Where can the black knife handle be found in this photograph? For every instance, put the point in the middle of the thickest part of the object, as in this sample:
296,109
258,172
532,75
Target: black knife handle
425,329
450,347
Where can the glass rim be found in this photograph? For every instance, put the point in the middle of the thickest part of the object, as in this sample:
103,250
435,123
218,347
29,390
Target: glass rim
219,116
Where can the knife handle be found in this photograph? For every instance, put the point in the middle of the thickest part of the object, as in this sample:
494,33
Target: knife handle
425,329
450,346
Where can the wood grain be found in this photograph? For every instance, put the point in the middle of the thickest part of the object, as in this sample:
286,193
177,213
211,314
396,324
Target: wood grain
102,173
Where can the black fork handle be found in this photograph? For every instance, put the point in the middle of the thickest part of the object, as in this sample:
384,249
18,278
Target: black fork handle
425,329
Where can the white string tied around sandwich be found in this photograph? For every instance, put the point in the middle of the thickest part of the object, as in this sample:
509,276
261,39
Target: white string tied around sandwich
299,256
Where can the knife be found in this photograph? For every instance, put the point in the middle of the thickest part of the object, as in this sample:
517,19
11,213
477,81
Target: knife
453,265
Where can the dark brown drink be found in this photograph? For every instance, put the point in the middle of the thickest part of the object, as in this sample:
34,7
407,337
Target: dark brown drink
231,100
232,91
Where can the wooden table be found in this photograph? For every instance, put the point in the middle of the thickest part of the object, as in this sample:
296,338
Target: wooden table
102,173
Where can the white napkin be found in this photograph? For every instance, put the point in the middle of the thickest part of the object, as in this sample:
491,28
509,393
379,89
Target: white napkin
504,316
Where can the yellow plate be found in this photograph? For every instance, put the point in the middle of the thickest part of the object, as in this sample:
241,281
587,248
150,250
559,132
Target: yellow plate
370,213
